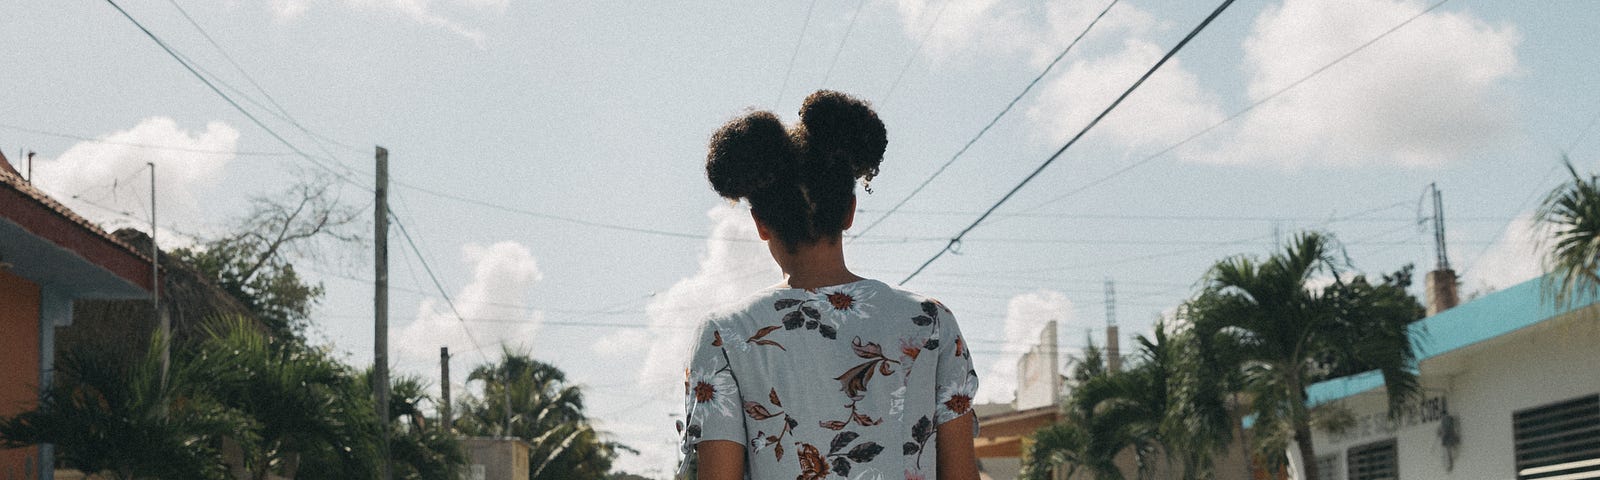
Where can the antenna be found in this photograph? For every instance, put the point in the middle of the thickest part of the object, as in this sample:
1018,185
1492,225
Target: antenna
1443,260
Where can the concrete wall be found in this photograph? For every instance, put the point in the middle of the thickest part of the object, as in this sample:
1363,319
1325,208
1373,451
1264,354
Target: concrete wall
496,458
19,365
1480,386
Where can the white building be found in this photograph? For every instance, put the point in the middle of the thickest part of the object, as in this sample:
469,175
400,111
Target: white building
1511,390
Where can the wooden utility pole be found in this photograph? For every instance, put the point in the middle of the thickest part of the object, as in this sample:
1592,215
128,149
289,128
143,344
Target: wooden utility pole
444,387
163,322
380,308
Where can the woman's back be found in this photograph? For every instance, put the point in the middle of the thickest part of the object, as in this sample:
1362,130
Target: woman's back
850,380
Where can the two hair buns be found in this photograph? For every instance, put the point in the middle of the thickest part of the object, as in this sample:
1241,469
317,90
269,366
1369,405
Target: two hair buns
837,134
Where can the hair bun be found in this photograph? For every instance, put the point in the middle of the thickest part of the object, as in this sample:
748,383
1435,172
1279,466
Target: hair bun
840,127
747,154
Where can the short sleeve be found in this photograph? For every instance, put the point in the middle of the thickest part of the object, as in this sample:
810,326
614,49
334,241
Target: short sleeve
956,381
711,394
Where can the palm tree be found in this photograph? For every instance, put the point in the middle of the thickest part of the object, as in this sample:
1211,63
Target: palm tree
314,417
1282,335
1572,213
532,400
418,450
107,416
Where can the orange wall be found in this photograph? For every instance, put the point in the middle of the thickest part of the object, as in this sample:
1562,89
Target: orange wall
19,363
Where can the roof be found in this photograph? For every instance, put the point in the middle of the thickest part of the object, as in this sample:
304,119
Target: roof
41,217
1485,318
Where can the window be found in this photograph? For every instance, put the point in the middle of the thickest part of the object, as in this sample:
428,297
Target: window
1374,461
1561,439
1328,467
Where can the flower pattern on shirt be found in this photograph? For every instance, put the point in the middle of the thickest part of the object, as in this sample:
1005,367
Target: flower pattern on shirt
814,392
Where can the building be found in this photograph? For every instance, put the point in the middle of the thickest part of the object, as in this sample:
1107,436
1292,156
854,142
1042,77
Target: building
50,257
1510,389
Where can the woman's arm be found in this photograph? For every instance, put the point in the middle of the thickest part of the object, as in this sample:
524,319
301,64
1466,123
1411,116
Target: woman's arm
724,460
957,459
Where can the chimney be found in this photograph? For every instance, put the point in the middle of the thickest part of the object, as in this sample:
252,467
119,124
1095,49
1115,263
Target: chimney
1441,282
1441,294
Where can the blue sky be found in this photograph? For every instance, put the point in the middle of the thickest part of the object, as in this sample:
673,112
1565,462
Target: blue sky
586,113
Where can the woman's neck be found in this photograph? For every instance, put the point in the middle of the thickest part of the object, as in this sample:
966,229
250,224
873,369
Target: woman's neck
809,266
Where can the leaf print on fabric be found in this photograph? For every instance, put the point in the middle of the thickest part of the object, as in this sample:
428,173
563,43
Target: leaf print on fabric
758,412
862,453
854,381
920,433
760,337
812,466
786,303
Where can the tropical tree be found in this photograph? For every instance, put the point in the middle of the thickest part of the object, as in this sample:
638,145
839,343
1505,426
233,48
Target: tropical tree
1571,213
1283,335
419,450
107,416
1155,409
314,416
532,400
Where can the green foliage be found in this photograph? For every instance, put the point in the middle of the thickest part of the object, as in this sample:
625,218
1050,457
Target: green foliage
1260,319
314,416
105,415
418,450
1572,213
545,411
269,286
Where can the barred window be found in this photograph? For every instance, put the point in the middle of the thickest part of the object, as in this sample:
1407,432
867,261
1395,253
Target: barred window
1328,467
1561,439
1374,461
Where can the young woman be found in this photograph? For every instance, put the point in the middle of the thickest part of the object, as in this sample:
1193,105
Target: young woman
828,373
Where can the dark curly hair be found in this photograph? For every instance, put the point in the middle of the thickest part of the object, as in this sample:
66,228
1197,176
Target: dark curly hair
799,181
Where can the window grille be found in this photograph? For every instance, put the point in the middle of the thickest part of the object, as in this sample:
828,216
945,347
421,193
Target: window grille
1561,439
1374,461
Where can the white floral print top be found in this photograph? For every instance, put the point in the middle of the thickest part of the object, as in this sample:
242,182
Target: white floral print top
849,380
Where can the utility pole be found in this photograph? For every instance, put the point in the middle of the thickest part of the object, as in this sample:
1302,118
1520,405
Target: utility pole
163,322
1113,347
444,387
380,307
1440,284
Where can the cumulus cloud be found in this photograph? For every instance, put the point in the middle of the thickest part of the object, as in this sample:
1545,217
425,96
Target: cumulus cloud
1424,95
733,267
107,179
1166,108
1514,259
1026,316
494,302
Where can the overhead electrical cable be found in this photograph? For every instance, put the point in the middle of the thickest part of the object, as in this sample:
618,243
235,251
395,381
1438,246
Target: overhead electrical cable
796,55
992,122
843,41
171,148
429,270
230,100
1236,114
1096,120
921,41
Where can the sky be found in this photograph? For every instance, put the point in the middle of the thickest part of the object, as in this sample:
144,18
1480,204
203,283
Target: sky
547,157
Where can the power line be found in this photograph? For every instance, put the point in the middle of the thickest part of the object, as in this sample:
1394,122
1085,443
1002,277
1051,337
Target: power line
792,57
230,100
843,41
993,121
429,270
1236,114
1175,217
171,148
921,41
1185,41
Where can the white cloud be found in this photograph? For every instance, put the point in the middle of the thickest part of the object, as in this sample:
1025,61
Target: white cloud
1516,258
494,302
964,28
107,179
420,11
1026,315
1166,108
1424,95
730,270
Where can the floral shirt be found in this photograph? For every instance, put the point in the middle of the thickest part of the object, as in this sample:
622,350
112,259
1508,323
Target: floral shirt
849,380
